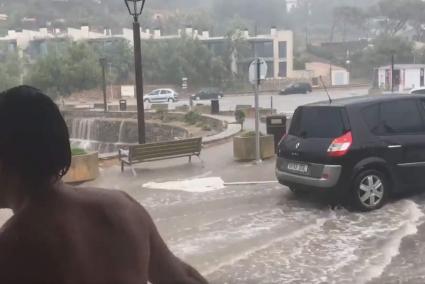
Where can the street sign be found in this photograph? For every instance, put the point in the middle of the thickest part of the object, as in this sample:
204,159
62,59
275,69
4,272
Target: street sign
257,72
253,71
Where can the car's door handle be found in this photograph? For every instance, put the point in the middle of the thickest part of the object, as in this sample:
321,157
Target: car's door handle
394,146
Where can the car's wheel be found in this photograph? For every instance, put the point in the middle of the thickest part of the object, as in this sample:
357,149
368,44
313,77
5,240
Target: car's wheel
147,101
170,100
370,190
198,98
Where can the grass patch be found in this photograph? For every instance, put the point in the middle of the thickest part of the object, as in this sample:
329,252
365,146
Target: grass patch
192,117
248,134
78,152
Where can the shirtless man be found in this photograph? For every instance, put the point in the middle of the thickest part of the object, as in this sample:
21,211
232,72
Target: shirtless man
59,234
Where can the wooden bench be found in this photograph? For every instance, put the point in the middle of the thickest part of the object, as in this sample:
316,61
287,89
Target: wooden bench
160,151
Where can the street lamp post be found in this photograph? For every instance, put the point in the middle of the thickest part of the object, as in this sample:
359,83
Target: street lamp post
135,8
103,65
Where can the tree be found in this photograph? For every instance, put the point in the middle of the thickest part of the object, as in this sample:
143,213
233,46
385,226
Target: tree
417,19
167,62
347,18
379,53
10,71
119,55
396,14
62,74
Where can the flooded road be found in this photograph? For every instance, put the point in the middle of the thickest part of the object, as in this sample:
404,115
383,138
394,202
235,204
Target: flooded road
263,234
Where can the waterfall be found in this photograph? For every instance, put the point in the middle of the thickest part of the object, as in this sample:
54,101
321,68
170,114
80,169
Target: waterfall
82,128
121,132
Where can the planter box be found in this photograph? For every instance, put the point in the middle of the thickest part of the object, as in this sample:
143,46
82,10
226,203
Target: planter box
244,147
83,168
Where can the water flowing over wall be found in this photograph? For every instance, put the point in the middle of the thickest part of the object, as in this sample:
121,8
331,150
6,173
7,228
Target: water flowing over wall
107,135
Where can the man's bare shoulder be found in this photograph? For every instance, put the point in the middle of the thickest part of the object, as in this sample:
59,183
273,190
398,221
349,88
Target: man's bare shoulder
112,201
100,196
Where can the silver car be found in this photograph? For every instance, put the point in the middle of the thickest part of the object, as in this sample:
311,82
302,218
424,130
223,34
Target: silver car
161,95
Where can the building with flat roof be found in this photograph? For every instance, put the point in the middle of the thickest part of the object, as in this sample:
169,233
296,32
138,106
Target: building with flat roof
406,77
275,47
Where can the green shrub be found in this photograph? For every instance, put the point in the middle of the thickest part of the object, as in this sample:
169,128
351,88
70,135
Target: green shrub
192,117
162,114
248,134
240,116
78,152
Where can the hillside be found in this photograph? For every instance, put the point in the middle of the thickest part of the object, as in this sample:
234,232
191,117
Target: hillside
217,15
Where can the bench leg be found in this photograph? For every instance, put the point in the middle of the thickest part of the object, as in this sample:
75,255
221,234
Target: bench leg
202,161
190,159
122,167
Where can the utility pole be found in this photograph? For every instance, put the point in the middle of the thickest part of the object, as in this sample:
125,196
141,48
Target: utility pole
103,64
392,73
257,72
257,114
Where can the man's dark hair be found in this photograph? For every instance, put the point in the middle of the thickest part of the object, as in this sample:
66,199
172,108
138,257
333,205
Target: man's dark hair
34,138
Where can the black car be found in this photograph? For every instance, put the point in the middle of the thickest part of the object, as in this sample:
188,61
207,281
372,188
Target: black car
297,88
362,148
208,94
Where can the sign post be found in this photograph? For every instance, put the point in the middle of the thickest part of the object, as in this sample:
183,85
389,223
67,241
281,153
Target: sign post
257,72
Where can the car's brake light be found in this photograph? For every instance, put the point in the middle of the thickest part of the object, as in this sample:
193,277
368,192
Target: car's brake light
340,146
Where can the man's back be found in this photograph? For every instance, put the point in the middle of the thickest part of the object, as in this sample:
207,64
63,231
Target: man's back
87,236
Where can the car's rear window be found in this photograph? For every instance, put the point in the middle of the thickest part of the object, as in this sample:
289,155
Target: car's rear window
318,122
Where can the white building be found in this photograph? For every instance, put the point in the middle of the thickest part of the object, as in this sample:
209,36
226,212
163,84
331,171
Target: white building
275,47
332,75
406,77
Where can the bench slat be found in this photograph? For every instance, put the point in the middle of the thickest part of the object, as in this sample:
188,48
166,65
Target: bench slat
176,142
189,148
163,154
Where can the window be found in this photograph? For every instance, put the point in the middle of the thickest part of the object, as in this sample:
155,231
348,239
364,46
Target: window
401,117
371,117
282,49
317,122
282,69
264,49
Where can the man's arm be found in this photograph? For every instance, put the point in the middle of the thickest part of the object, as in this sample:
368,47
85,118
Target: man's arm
164,266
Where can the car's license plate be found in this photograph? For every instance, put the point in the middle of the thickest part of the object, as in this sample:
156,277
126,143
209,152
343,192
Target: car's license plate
299,168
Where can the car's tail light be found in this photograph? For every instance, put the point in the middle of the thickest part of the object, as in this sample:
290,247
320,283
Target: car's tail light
340,146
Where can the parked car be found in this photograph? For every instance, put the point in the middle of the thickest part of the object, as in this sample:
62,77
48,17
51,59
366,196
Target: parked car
297,88
361,149
161,95
418,91
208,94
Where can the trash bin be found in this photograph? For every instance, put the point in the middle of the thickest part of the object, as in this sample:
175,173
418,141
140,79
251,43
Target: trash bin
123,105
215,107
276,125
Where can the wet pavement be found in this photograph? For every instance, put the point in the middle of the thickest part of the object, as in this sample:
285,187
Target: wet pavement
282,103
261,233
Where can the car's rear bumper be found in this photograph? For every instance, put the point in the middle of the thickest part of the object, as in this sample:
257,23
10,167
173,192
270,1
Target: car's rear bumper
325,176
